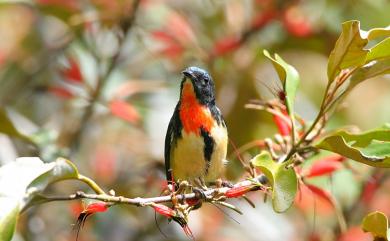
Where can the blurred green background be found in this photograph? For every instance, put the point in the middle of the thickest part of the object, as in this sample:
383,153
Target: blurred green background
97,81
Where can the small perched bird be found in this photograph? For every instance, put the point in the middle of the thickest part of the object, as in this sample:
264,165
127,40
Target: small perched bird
196,139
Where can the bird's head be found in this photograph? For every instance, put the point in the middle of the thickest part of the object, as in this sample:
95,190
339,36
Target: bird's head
199,81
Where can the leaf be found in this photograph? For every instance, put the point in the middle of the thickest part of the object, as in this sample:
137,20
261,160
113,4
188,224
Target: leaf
289,77
376,223
376,33
379,51
348,50
370,70
8,216
22,182
8,128
371,147
73,73
283,180
124,110
325,166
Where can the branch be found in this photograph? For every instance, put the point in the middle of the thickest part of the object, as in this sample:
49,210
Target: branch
210,195
126,24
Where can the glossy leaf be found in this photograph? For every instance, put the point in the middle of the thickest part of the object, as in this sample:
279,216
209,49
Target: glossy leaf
289,77
21,183
370,70
377,224
371,148
379,51
348,50
283,180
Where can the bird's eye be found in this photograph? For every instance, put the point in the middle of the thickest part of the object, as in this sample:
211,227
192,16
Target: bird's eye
205,81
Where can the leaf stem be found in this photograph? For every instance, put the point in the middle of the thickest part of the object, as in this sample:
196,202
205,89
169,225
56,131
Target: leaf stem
91,183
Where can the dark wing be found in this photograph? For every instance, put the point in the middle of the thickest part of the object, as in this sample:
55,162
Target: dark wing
217,115
173,132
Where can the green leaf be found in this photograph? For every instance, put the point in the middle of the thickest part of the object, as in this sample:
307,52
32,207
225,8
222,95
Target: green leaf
376,223
379,51
22,182
348,50
282,179
371,147
370,70
9,211
376,33
8,128
289,77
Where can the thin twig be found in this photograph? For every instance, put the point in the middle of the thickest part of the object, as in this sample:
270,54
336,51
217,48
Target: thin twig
209,196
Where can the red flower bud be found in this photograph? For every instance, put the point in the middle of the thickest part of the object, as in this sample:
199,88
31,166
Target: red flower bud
96,207
284,127
89,210
164,210
239,191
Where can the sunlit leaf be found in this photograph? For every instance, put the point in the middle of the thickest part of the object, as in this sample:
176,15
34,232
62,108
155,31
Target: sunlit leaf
8,128
283,180
379,51
9,210
376,33
289,77
370,70
22,181
371,148
348,50
376,223
30,176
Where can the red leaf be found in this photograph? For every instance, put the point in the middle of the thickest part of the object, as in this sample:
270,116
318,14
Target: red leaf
320,193
73,73
325,166
180,29
226,45
172,51
239,191
296,23
355,234
284,127
370,188
60,92
124,111
262,19
163,36
164,210
172,47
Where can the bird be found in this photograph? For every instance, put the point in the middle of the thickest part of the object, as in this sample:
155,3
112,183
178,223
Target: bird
197,137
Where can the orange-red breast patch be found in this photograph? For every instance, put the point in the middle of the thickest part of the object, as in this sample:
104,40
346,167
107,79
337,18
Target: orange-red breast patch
192,114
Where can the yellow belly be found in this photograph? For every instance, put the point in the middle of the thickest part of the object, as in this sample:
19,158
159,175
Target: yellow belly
187,157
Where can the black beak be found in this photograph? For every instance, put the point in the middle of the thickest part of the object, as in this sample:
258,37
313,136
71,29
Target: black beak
188,73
